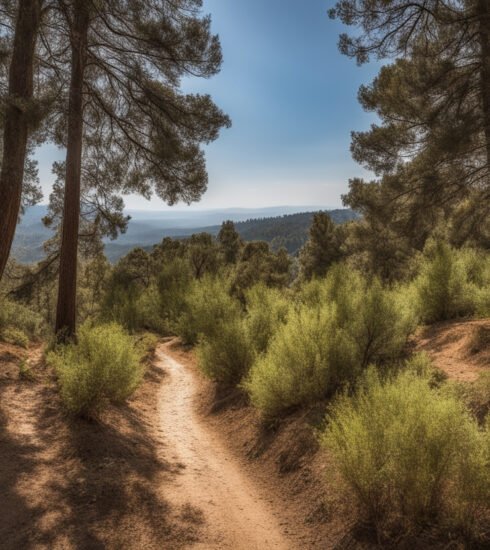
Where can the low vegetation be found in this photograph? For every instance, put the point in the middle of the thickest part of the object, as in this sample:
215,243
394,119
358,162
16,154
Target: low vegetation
18,323
476,396
103,366
452,283
266,309
226,355
342,324
207,308
410,453
297,367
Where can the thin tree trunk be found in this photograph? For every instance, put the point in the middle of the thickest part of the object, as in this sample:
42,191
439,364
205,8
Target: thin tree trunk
483,8
67,288
16,126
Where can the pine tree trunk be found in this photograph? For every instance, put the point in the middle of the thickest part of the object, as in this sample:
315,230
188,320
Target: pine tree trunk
67,288
483,8
16,125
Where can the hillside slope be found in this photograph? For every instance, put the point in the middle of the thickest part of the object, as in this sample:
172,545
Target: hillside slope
461,349
180,465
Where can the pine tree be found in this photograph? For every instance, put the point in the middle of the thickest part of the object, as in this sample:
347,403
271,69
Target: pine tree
17,121
230,242
127,61
432,148
323,247
202,253
258,264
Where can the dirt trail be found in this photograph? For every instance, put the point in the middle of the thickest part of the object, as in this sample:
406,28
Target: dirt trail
211,481
451,347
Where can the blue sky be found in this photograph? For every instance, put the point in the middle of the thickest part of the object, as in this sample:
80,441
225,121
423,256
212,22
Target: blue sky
292,100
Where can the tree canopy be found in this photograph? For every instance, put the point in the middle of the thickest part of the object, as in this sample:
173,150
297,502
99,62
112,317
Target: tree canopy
431,149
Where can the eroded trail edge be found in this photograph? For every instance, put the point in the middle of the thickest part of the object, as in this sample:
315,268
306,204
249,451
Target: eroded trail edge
210,481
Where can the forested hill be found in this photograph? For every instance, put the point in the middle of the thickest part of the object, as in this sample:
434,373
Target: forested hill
290,230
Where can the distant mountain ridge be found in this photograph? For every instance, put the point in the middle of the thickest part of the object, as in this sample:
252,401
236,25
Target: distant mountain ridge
279,226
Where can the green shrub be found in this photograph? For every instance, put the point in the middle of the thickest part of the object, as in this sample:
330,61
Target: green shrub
477,264
16,316
14,336
342,284
208,305
421,365
302,362
267,309
452,283
174,281
480,339
476,395
134,308
121,306
104,365
481,297
376,320
406,450
149,311
380,324
344,324
226,355
229,339
469,505
146,343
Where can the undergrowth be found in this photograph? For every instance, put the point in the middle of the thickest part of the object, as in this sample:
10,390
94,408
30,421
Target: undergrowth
411,454
103,366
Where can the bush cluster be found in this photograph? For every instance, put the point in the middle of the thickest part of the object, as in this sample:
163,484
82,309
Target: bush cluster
229,337
226,355
134,308
410,453
208,307
18,323
104,365
452,283
296,368
343,324
267,309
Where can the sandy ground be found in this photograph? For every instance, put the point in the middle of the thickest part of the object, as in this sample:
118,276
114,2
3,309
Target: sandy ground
73,484
236,514
146,475
295,478
450,345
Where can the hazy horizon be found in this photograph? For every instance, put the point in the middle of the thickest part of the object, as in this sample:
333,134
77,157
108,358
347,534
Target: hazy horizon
197,207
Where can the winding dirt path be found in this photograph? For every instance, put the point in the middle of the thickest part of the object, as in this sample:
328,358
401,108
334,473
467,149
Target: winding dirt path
210,481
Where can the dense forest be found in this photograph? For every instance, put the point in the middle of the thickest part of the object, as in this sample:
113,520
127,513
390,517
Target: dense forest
289,231
323,322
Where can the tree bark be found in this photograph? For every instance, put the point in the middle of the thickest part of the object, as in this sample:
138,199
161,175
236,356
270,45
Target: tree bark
65,327
483,8
16,128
